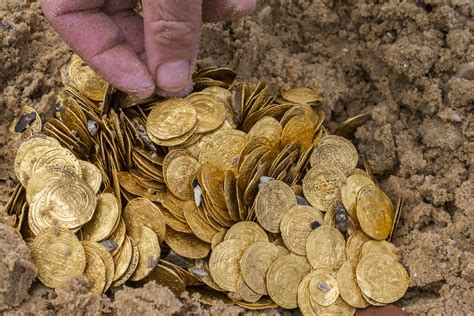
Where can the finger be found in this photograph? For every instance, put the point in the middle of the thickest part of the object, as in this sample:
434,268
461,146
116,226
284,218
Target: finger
97,39
226,10
172,32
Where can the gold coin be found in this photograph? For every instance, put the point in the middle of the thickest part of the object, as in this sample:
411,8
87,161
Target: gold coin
186,245
95,270
58,255
382,278
131,268
354,244
149,248
142,212
210,111
197,222
45,176
335,151
179,173
249,232
117,237
164,276
304,302
300,130
325,248
91,175
123,258
106,258
374,247
323,289
171,118
218,238
339,307
211,179
53,157
284,277
347,283
224,263
255,271
84,79
27,123
301,95
273,200
321,186
296,225
223,148
267,127
246,293
350,191
104,220
375,212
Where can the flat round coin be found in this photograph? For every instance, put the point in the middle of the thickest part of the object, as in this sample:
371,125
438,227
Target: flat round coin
246,293
304,301
186,245
273,200
350,191
143,212
44,177
335,151
95,271
179,173
325,248
58,255
104,220
339,307
123,258
56,157
106,258
130,269
171,118
267,127
247,231
254,271
149,248
223,149
321,186
91,175
354,244
224,263
323,289
284,277
382,278
198,223
374,247
348,287
296,225
210,111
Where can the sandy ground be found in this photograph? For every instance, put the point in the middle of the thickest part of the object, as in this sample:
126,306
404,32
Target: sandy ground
397,59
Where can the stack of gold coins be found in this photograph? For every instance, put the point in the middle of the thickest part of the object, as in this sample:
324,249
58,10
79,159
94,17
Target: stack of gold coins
231,192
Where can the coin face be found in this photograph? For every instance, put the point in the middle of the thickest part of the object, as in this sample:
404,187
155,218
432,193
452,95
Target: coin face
322,186
267,127
382,278
186,245
325,248
179,173
296,225
104,220
354,244
304,301
95,271
224,263
247,231
335,151
142,212
84,79
45,176
91,175
149,248
123,258
210,111
373,247
350,191
273,200
348,287
223,149
323,289
106,258
246,293
284,277
197,222
58,255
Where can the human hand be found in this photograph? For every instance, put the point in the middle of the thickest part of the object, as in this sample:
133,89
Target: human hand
140,55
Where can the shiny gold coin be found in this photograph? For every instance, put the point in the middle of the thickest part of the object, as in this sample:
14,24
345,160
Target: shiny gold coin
106,258
382,278
374,247
375,212
95,271
123,258
117,237
350,191
58,255
354,244
53,157
255,271
284,277
348,287
296,225
323,289
91,175
85,80
249,232
104,220
224,263
165,276
273,200
321,186
246,293
171,118
267,127
265,303
339,307
325,248
210,111
197,222
186,245
335,151
131,268
149,248
44,177
371,301
223,149
179,173
218,238
142,212
301,95
304,302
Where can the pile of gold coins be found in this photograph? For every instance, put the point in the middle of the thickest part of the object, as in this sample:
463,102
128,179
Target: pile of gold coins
230,192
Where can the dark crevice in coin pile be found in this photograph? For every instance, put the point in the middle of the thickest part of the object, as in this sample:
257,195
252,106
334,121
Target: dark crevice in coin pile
230,192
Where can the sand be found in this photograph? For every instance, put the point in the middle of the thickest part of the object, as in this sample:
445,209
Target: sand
398,60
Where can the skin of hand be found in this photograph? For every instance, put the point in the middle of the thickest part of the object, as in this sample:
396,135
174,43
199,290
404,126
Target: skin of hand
141,55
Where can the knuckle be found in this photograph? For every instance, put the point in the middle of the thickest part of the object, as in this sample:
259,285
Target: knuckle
175,34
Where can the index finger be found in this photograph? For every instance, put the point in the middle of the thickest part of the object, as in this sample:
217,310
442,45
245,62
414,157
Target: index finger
97,39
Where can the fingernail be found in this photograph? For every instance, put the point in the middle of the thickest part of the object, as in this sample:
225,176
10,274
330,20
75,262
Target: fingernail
173,76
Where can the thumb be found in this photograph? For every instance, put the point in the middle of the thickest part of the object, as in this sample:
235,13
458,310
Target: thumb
172,34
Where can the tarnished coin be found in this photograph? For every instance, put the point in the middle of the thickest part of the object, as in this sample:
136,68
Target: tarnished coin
296,225
149,248
273,200
375,212
382,278
210,111
284,277
179,173
348,287
350,191
95,270
91,175
335,151
255,271
223,149
142,212
246,293
104,220
325,248
171,118
224,263
323,289
322,186
44,177
301,95
247,231
58,255
186,245
374,247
